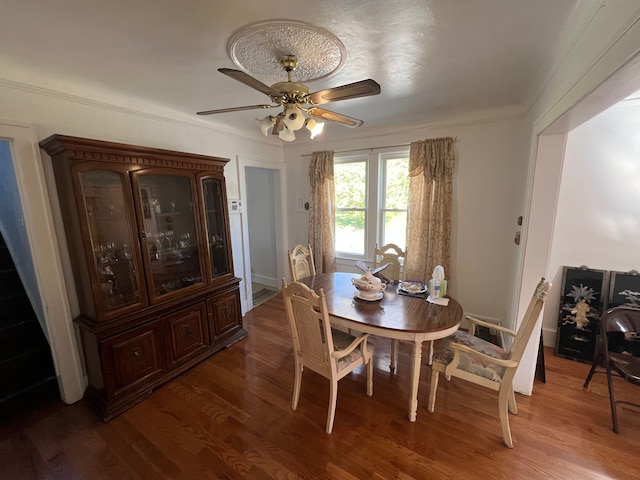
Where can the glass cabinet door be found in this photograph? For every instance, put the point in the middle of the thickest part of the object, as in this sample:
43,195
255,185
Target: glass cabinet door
110,232
215,217
170,232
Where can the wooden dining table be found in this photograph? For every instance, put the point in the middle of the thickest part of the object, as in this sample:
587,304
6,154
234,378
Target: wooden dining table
394,316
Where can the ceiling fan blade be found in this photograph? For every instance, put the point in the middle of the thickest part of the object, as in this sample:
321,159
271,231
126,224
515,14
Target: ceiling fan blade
234,109
363,88
334,117
250,81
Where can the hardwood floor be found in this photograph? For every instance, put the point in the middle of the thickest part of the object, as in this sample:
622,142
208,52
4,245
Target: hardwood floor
230,417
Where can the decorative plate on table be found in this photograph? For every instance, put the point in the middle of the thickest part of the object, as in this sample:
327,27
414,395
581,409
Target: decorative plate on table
415,288
378,296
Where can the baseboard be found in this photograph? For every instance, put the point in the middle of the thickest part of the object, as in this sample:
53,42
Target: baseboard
264,280
549,337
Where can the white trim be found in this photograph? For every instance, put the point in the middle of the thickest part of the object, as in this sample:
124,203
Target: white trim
40,229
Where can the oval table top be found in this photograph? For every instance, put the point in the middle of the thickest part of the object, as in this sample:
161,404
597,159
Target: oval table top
394,312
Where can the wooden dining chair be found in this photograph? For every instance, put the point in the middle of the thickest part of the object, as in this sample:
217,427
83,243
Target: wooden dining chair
470,358
391,254
618,353
301,262
318,347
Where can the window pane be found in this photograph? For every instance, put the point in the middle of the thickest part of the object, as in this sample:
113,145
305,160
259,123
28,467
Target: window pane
350,184
172,220
111,237
397,187
350,232
395,228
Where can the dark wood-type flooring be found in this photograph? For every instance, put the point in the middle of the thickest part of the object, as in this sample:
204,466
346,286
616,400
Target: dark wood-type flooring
230,417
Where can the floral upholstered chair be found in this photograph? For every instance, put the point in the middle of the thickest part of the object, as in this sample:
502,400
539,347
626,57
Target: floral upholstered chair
318,347
301,262
470,358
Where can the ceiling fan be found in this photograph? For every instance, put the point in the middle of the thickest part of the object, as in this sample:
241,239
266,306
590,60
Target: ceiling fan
296,100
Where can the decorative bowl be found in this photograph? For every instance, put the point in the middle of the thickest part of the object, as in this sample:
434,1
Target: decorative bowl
368,286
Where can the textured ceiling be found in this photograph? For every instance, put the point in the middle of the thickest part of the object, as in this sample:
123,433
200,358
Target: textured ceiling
431,57
257,49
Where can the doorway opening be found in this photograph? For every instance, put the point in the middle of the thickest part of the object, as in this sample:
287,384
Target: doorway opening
264,220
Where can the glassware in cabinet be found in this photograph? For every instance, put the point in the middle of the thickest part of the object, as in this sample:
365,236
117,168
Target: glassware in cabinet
170,232
217,228
111,238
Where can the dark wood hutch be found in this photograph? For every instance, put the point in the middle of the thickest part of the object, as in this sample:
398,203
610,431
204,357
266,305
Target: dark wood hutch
148,236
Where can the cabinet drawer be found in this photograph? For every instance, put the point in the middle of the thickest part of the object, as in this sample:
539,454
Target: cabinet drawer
186,333
133,358
224,315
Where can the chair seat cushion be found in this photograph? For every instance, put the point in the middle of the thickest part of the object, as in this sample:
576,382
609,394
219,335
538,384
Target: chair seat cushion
342,340
472,363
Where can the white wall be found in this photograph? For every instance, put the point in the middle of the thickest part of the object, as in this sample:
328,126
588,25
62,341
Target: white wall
607,40
261,219
489,180
598,213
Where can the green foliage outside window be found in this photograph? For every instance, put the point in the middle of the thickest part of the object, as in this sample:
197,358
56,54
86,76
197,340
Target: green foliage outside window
397,195
350,188
350,181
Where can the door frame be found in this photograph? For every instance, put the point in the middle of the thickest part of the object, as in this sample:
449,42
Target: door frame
280,212
38,207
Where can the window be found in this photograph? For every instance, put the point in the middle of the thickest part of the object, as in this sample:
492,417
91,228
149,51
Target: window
350,179
372,193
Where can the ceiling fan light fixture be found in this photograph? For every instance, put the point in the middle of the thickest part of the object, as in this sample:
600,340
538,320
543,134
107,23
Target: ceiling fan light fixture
265,124
293,117
315,128
287,135
297,103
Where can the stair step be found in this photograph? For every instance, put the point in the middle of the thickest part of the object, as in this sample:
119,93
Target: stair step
9,279
27,373
28,368
21,336
5,257
14,304
13,321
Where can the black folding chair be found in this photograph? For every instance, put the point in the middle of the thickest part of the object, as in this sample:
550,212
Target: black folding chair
618,352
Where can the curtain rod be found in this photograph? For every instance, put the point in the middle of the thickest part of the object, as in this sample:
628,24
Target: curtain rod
371,149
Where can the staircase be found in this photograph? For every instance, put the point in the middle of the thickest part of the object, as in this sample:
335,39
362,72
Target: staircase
27,374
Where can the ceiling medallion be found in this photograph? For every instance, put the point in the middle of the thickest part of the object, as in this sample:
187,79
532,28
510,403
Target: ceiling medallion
258,49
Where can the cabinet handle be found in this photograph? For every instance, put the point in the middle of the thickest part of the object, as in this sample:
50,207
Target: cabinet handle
226,312
136,353
188,333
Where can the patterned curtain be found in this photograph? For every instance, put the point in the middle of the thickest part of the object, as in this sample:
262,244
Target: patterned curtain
431,164
322,214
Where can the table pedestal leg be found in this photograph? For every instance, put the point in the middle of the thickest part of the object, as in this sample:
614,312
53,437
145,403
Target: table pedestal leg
415,380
